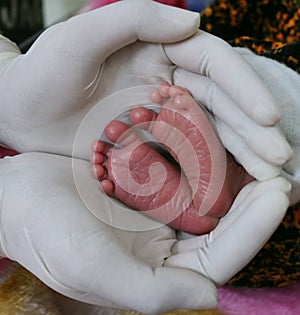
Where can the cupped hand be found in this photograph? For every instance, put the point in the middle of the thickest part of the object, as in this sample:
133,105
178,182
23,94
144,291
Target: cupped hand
77,63
48,91
46,227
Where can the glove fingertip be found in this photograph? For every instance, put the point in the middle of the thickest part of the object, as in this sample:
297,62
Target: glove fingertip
263,172
170,24
266,115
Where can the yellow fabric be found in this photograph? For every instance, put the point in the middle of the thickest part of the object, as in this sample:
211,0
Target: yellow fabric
21,293
181,312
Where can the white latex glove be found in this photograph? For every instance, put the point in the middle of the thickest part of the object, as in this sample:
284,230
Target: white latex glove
284,83
46,227
62,76
75,64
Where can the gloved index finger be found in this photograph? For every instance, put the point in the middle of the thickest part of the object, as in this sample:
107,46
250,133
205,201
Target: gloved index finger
210,56
99,33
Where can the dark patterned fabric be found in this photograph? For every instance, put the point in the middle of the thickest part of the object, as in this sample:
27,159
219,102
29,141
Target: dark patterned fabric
278,263
269,28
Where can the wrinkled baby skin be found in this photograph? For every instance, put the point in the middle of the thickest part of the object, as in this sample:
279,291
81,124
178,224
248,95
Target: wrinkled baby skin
192,186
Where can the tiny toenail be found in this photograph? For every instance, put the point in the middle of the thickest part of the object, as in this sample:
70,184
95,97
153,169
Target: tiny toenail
174,91
180,99
164,91
155,96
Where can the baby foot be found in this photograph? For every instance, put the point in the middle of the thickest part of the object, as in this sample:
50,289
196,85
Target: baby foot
191,200
182,126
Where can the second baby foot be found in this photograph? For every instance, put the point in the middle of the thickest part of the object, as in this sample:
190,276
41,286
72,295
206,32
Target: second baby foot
192,200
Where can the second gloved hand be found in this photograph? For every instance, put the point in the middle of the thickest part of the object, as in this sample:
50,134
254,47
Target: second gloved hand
48,229
75,64
46,93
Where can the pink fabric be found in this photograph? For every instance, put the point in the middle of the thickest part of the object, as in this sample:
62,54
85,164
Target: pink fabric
100,3
260,301
4,262
7,152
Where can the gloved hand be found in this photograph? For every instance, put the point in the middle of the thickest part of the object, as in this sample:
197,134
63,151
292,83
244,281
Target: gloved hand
75,64
47,228
64,73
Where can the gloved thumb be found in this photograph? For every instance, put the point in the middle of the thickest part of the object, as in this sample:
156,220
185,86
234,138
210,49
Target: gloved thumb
172,289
